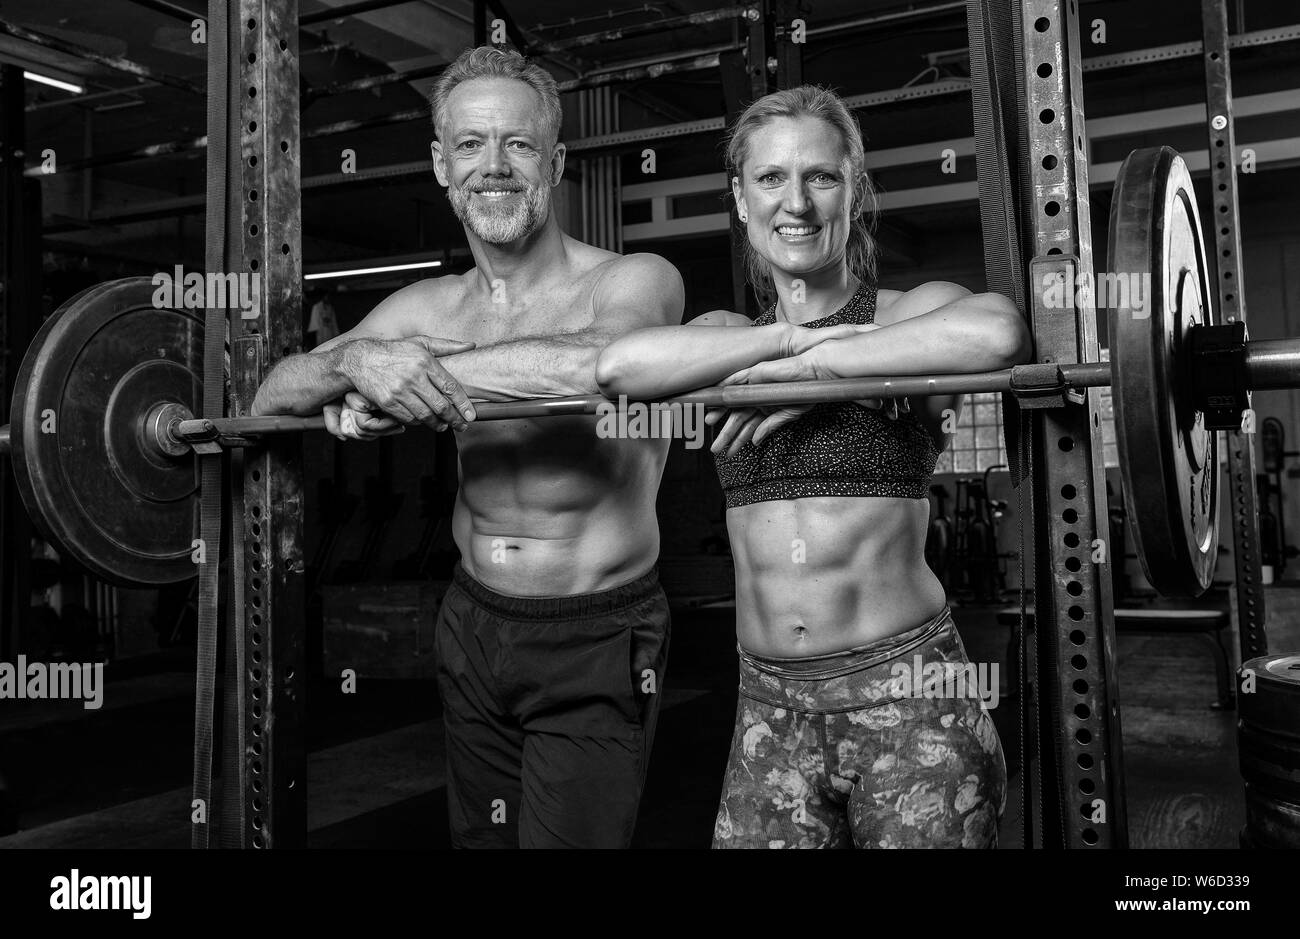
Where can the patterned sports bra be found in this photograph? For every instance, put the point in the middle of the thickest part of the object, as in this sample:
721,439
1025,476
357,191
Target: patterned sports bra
840,449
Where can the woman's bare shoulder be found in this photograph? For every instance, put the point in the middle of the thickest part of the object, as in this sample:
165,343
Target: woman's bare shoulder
720,318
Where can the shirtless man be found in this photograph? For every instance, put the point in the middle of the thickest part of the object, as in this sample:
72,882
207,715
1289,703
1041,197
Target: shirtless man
552,640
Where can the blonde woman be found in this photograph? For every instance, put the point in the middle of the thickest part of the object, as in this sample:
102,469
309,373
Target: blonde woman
839,741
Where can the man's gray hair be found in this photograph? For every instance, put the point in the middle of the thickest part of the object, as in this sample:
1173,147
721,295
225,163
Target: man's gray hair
491,62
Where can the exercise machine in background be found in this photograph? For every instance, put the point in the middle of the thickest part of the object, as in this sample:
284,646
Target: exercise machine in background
1274,549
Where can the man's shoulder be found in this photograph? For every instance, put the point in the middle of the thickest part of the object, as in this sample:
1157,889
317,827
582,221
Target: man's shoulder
645,283
638,273
441,287
405,309
643,263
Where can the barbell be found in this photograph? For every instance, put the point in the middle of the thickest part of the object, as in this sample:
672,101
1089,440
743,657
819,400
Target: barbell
102,431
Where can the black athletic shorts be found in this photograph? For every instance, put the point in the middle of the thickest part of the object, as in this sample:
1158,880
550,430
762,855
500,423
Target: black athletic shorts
550,707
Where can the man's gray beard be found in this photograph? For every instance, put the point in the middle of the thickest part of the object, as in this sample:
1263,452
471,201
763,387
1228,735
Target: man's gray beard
504,223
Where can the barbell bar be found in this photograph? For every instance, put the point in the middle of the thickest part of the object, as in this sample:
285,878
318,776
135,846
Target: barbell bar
1270,364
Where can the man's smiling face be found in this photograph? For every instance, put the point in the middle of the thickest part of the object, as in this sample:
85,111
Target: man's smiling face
497,159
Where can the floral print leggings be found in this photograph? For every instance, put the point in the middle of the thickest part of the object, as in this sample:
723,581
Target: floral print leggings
884,746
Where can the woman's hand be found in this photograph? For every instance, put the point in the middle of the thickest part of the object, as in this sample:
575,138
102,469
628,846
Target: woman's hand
754,424
356,418
801,367
745,425
799,339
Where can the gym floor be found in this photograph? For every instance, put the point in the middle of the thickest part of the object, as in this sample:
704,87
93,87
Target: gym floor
119,776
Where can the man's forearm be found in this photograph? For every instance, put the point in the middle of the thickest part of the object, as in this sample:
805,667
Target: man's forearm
533,367
303,384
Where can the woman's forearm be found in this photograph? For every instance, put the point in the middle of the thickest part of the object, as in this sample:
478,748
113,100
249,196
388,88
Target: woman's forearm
960,338
664,360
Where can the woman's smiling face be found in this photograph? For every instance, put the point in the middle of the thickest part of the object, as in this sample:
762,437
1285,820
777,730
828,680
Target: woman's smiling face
796,192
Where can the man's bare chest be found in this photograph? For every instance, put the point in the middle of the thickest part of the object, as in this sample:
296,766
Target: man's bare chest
490,321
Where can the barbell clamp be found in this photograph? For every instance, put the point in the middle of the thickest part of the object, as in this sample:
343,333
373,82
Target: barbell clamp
1040,385
1216,373
205,439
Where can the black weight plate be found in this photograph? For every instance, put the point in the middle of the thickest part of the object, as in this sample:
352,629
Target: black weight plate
1168,460
91,485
